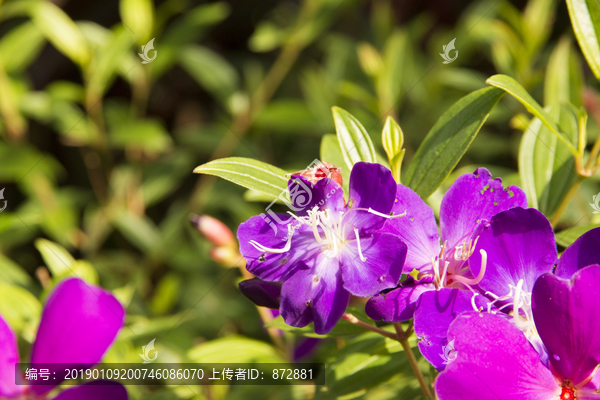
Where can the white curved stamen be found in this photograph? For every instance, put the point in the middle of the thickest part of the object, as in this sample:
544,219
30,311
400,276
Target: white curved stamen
384,215
360,254
285,249
473,303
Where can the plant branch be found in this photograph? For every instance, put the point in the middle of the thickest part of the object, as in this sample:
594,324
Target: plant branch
352,319
402,336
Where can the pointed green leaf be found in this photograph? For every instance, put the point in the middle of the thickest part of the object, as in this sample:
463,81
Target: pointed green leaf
568,236
138,16
513,88
354,140
585,17
546,168
448,140
393,139
60,30
249,173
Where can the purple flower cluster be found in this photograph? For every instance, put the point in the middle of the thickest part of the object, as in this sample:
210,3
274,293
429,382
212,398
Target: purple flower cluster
495,310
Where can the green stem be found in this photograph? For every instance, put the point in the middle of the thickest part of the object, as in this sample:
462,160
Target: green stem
402,336
352,319
565,202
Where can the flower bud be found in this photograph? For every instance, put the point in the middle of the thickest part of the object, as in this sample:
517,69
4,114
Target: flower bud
214,230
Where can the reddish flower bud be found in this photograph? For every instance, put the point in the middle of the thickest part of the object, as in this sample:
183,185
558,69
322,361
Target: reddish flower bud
320,171
214,230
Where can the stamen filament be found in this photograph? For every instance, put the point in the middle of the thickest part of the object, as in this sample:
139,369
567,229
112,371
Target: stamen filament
360,254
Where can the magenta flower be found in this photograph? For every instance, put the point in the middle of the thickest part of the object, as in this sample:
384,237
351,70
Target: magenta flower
330,249
494,359
469,204
78,324
520,247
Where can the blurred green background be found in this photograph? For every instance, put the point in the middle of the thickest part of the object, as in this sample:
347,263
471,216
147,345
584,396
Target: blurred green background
97,149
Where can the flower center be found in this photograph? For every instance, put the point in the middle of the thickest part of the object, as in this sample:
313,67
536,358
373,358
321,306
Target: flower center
450,269
520,301
329,230
567,393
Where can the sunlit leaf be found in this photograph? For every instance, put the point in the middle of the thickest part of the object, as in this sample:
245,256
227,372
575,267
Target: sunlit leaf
566,237
354,140
138,16
513,88
249,173
585,17
60,30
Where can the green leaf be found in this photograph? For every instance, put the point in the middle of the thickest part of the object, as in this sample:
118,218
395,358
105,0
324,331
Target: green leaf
249,173
448,140
140,231
365,362
107,60
138,15
210,70
585,18
234,350
546,168
60,30
513,88
11,272
331,153
62,264
57,258
147,135
566,237
20,46
21,310
354,140
564,76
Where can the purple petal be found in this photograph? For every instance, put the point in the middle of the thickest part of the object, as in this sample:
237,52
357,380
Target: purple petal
371,186
494,361
304,196
567,318
9,356
472,199
305,348
261,293
583,252
98,390
384,255
417,229
398,304
434,313
79,323
315,295
520,245
275,266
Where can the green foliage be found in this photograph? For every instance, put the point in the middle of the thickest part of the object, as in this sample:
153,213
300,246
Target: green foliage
448,140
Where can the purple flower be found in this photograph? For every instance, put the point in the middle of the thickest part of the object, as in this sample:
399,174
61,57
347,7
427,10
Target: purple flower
494,359
520,247
469,204
78,325
329,250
